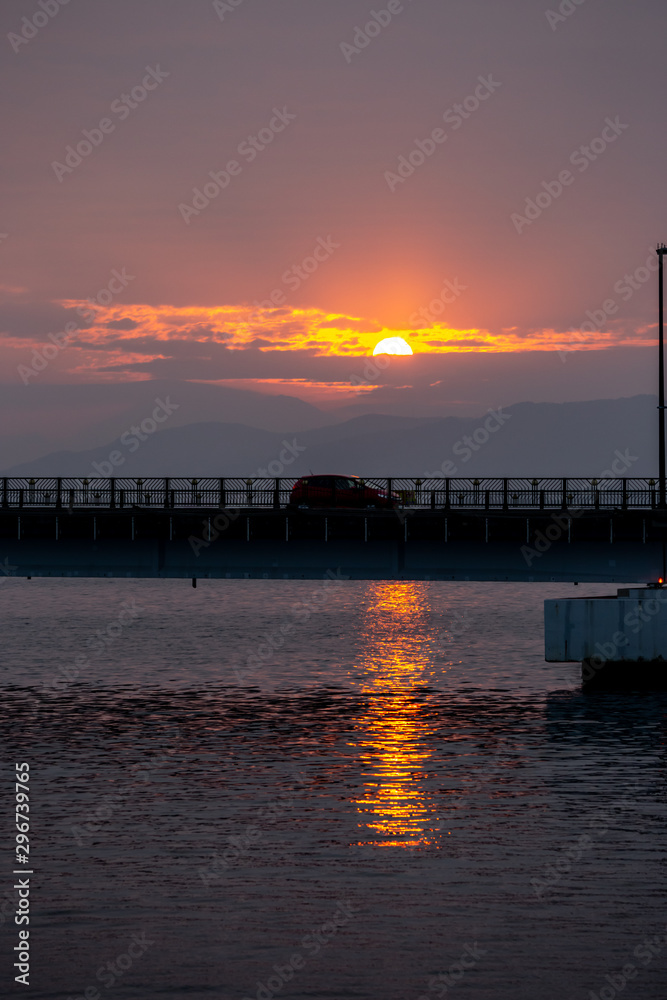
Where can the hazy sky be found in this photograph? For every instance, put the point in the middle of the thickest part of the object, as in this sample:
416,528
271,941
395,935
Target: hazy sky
472,175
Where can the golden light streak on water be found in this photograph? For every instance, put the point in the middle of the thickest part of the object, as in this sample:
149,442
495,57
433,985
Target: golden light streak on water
394,804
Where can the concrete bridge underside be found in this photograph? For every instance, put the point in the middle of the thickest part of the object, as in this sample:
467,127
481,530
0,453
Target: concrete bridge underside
515,545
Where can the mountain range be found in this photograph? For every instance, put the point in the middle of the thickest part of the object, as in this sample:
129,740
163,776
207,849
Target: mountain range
527,439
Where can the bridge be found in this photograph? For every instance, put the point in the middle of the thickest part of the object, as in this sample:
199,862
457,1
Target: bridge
583,530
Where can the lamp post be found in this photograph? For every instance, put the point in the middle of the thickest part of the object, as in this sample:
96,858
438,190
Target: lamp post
661,250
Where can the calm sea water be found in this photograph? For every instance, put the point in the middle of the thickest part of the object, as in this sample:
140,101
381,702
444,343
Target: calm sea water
325,790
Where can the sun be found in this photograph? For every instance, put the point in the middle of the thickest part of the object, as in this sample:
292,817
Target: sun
392,345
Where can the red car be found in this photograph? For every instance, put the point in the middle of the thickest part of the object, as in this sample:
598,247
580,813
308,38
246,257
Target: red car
339,491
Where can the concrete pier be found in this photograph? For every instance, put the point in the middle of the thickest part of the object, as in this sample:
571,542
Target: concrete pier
618,639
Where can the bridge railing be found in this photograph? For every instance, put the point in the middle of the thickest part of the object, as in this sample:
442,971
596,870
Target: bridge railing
434,493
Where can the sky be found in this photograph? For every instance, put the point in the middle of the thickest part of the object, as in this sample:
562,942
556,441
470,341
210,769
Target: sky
254,193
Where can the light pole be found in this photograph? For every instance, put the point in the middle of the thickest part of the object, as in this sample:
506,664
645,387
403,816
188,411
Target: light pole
661,250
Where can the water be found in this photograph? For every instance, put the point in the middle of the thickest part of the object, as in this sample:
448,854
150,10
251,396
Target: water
325,790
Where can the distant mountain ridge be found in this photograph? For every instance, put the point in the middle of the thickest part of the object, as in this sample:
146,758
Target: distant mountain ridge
35,419
527,439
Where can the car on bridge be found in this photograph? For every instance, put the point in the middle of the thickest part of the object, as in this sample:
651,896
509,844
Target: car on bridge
339,491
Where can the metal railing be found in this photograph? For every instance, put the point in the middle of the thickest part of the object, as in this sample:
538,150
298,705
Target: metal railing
454,494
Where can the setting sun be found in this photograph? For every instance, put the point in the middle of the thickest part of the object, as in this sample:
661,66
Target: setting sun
392,345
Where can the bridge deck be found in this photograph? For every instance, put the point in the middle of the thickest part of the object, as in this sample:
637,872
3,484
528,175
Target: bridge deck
514,544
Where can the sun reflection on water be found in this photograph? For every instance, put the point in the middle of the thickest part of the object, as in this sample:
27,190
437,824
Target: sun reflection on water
393,733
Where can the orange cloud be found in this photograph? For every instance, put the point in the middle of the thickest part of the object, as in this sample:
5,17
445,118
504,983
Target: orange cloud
273,346
320,333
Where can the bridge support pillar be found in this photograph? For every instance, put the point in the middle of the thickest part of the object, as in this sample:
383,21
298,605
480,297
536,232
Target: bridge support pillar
620,640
